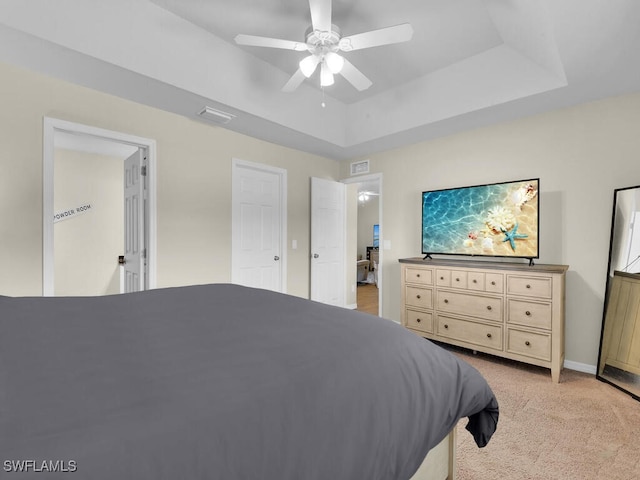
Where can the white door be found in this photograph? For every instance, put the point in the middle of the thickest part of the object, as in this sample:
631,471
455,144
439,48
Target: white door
328,241
133,274
258,221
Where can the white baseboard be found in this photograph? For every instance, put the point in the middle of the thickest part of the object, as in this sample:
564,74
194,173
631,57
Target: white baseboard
580,367
353,306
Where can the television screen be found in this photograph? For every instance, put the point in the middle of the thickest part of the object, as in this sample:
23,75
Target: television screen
376,235
499,219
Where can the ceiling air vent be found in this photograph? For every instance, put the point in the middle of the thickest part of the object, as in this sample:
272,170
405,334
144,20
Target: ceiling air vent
358,168
216,116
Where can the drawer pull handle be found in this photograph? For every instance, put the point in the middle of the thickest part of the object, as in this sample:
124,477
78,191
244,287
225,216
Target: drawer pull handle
488,335
527,313
527,343
493,282
441,278
475,281
488,307
457,279
446,325
528,286
418,320
418,297
418,275
446,301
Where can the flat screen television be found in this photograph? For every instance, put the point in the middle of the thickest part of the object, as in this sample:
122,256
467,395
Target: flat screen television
497,220
376,235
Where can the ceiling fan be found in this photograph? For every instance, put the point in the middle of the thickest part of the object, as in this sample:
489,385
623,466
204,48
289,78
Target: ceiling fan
323,41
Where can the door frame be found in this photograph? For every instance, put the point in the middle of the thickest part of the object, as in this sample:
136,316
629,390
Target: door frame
375,177
282,174
50,127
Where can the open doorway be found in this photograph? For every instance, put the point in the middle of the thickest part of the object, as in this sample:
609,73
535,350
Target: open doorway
86,222
369,243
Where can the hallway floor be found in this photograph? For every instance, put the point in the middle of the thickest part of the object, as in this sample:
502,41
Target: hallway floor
368,299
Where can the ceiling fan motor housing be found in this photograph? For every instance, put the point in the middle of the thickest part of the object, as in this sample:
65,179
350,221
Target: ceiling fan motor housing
320,42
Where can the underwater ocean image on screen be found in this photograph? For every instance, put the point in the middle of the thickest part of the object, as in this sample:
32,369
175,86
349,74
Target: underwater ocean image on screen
497,220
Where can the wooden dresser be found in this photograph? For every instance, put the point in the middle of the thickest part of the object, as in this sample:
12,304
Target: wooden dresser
512,310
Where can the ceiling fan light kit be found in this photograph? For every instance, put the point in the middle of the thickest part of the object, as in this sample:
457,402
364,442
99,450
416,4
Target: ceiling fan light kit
334,62
308,65
323,41
326,77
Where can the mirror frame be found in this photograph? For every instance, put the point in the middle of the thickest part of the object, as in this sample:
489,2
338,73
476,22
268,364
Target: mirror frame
606,293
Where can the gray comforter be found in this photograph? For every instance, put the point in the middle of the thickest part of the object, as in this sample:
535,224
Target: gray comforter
222,382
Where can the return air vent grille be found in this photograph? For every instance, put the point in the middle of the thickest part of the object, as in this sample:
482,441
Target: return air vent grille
358,168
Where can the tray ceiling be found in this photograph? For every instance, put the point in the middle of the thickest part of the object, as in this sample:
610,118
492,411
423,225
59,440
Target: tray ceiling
470,63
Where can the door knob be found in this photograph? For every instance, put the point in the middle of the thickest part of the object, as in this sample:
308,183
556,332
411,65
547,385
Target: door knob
315,255
276,258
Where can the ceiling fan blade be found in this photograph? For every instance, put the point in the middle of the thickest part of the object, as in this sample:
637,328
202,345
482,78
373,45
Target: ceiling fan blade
294,82
375,38
320,15
355,76
255,41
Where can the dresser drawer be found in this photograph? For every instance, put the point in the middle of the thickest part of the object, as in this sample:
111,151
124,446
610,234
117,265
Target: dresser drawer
485,282
419,297
530,344
459,279
451,278
494,282
443,278
531,314
418,275
470,332
485,307
475,281
529,286
418,320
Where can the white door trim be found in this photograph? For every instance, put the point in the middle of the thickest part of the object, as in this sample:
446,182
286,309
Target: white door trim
282,173
50,127
366,178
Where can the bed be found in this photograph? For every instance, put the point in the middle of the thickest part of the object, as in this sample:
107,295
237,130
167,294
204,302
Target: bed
226,382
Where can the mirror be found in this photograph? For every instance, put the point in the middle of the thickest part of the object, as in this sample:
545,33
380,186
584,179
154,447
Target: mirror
619,356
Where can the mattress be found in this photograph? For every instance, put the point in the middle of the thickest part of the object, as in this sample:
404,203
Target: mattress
223,382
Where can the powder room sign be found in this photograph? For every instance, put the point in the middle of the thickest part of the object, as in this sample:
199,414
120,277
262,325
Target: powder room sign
72,212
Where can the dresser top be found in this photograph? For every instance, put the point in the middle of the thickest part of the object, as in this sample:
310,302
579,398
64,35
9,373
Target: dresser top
634,276
521,267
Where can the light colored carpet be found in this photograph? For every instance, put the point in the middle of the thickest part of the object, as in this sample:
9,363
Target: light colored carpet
579,429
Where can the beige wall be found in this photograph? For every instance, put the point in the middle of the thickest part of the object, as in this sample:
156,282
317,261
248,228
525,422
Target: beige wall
581,154
86,246
194,182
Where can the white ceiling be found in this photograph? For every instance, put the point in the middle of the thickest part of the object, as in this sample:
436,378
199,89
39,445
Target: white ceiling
470,63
